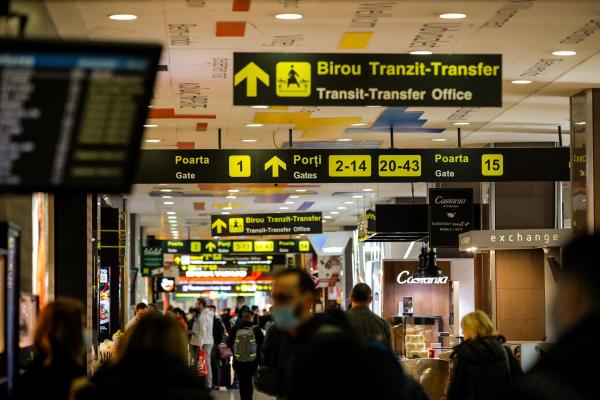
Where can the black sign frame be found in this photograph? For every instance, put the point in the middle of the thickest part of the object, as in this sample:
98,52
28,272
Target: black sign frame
266,224
450,214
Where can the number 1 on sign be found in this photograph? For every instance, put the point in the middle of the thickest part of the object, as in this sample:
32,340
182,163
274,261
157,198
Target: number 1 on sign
239,166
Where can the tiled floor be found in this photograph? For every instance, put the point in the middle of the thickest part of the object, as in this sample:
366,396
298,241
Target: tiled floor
235,395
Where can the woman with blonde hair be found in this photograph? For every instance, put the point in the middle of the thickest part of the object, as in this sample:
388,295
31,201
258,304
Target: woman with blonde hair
483,368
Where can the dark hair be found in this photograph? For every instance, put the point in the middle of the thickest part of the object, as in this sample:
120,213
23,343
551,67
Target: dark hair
361,292
254,308
579,263
140,306
213,307
202,302
240,299
305,281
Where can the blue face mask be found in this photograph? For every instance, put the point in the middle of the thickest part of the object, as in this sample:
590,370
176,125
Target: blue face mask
285,318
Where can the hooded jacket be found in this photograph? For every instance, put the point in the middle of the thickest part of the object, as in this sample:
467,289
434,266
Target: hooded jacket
482,369
202,331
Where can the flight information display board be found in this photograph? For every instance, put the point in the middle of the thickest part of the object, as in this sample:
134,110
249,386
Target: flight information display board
72,113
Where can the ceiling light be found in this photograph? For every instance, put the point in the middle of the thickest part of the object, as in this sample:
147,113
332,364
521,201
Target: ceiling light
348,202
344,140
284,208
357,196
231,197
342,207
328,217
152,140
172,217
248,140
564,53
294,197
300,190
439,140
289,16
171,213
225,213
334,212
359,124
290,202
168,203
580,123
151,126
233,190
461,123
521,82
373,106
367,190
227,208
166,190
167,197
254,125
122,17
421,53
453,16
259,106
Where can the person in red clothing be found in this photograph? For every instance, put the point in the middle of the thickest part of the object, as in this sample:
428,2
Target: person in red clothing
181,318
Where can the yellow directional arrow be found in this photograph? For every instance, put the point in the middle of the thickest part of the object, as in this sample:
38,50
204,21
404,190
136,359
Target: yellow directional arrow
210,246
275,163
251,73
219,225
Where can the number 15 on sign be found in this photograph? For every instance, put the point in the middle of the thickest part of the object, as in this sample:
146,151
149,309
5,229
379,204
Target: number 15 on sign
492,165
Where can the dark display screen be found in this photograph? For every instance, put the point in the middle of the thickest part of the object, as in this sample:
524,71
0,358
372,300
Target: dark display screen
72,113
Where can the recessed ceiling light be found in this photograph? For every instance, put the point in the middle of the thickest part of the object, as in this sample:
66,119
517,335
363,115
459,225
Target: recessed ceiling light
172,217
461,123
290,202
421,53
300,190
171,213
227,208
334,212
284,208
521,82
168,203
231,197
289,16
580,123
122,17
373,106
254,125
233,190
225,213
341,208
439,140
167,197
348,202
344,140
259,106
294,197
359,124
151,125
152,140
564,53
453,16
248,140
166,190
357,196
328,217
367,190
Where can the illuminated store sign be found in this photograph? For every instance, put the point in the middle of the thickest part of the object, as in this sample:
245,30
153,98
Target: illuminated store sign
514,239
405,278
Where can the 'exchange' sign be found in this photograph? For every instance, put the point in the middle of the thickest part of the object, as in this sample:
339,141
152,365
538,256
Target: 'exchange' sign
441,80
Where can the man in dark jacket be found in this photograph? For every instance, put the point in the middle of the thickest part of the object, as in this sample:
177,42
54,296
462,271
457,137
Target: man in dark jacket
564,372
276,351
365,322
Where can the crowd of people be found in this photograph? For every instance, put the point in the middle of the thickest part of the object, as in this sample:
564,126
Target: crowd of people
297,354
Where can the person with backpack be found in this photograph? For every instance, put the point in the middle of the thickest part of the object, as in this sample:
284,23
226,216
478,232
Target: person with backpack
482,367
246,340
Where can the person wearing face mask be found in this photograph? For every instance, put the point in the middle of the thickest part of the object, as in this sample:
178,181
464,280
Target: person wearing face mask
326,360
565,371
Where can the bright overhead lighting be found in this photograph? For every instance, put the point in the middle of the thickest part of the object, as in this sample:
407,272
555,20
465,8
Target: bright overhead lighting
248,140
421,53
367,190
359,124
342,207
580,123
254,125
259,106
453,16
439,140
348,202
168,203
231,197
171,213
344,140
521,82
227,208
166,190
152,140
289,16
328,217
373,106
284,208
300,190
122,17
357,196
225,213
172,217
410,247
290,202
564,53
233,190
167,197
334,212
294,197
461,123
151,125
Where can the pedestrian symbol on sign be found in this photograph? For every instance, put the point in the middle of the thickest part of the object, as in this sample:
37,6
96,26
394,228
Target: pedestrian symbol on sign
293,79
236,225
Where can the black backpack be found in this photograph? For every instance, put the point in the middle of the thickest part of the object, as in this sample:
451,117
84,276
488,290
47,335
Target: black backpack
218,330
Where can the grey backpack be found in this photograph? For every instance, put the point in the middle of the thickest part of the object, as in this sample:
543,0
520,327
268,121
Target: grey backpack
244,347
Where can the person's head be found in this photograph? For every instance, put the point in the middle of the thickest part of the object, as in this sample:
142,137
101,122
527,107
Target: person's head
293,298
201,303
361,295
578,292
155,336
140,309
152,308
212,308
247,315
192,311
477,324
178,311
240,301
59,332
